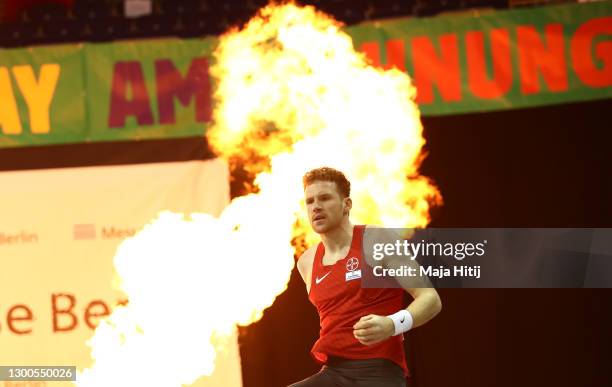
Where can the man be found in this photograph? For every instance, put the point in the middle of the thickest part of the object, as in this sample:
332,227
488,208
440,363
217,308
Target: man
361,336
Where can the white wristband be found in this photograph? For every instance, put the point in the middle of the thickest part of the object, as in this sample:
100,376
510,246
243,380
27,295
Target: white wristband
402,321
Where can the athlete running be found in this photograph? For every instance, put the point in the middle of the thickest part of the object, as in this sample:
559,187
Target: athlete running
361,338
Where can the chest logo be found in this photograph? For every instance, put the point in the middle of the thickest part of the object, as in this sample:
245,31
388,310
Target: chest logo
318,280
352,275
352,264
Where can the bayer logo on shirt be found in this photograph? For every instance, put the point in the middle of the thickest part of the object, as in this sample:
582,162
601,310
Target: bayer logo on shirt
352,266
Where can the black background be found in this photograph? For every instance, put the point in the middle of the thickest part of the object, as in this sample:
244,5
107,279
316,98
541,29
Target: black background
537,167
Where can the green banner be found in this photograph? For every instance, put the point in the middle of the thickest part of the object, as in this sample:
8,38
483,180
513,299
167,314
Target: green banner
162,89
43,96
155,89
498,60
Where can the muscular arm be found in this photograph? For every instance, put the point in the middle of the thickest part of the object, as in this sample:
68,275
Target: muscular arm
426,302
425,306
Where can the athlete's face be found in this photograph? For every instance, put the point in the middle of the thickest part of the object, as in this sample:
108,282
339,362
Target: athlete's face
326,208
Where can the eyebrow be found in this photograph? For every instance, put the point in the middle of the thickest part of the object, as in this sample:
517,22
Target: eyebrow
324,194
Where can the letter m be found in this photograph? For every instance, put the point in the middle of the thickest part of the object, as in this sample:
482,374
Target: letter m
171,85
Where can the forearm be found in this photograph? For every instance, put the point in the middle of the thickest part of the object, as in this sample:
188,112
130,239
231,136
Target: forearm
426,305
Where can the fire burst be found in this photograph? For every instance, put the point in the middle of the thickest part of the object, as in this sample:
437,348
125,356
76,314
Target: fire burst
292,94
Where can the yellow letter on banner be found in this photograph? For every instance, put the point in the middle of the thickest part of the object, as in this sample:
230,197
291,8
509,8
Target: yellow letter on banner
38,95
9,116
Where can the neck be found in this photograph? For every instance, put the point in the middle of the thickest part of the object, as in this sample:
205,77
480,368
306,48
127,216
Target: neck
338,238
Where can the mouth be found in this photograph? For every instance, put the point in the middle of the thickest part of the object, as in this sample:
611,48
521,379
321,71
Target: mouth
318,217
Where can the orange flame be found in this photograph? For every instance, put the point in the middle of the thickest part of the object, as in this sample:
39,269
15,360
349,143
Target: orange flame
292,94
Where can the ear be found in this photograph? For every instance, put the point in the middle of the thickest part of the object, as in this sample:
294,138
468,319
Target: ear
348,204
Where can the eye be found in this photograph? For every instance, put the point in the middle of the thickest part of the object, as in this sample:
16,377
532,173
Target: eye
309,200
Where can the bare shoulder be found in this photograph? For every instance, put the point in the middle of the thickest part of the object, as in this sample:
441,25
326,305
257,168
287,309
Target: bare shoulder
305,260
304,263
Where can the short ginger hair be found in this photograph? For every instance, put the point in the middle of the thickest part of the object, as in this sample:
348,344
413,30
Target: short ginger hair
329,174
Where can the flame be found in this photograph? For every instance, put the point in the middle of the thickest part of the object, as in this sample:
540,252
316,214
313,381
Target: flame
292,94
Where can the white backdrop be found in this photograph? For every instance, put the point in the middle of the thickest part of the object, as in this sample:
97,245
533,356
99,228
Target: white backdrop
59,229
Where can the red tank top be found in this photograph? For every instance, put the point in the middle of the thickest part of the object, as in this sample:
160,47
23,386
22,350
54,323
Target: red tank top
335,290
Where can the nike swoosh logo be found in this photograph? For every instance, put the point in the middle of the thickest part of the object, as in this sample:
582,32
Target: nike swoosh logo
318,280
